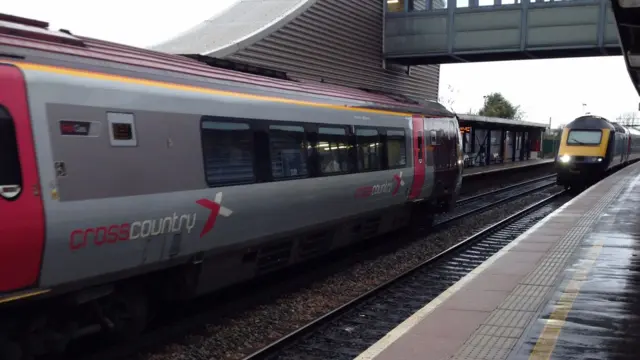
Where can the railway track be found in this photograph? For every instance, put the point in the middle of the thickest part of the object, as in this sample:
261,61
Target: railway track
347,331
200,314
474,204
542,179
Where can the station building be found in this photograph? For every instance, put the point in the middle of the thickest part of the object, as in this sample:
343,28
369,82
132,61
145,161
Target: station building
333,41
490,140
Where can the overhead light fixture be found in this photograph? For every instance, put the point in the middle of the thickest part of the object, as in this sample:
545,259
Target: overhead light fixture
392,1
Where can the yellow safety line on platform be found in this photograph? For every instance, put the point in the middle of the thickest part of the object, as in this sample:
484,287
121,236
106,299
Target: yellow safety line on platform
551,332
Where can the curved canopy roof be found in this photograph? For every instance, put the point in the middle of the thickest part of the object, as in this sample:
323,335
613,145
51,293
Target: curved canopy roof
241,25
627,17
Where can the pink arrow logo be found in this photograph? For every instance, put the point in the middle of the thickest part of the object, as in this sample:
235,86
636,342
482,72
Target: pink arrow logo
216,208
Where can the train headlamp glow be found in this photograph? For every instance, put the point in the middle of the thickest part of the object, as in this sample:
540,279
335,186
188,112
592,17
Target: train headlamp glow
565,158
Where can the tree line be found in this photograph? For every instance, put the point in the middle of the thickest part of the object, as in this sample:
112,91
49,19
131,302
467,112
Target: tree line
495,105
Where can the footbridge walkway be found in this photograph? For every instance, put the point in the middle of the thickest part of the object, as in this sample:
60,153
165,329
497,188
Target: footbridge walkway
449,31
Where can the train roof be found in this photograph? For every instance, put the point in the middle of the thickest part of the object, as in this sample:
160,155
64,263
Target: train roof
633,131
591,122
619,128
22,33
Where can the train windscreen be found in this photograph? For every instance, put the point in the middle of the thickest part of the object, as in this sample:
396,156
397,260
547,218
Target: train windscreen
10,173
584,137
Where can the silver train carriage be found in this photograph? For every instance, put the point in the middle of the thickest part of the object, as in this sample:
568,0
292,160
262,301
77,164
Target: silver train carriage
131,171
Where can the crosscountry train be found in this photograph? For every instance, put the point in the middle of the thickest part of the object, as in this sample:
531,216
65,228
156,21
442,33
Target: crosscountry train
129,175
590,147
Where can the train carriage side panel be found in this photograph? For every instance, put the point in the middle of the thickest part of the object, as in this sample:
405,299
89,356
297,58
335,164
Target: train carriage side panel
141,199
634,140
21,208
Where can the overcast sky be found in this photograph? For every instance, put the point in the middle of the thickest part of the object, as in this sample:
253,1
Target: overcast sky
543,88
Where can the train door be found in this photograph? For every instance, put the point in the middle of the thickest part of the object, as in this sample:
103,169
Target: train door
623,142
459,154
457,144
438,146
21,209
610,152
453,144
619,147
419,161
449,154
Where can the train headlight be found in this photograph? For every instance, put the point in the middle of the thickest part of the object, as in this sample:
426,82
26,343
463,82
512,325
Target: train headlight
565,158
10,192
599,159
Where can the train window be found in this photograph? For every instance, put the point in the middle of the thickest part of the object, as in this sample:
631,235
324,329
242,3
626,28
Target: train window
10,172
584,137
228,153
288,151
396,148
333,150
122,129
368,141
433,135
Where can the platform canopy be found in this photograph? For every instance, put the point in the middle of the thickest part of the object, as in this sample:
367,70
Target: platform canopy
500,122
239,26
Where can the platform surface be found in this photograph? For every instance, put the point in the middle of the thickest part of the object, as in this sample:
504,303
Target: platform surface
477,170
568,288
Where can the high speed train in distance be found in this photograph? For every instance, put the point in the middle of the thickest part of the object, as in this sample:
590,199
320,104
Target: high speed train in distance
131,177
590,147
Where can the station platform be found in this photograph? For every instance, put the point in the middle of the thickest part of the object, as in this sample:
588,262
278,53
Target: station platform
568,288
494,168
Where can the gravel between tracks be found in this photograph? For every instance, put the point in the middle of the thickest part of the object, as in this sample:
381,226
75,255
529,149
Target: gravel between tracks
250,330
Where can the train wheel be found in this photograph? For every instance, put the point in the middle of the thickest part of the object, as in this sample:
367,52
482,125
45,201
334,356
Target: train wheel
126,314
449,204
422,217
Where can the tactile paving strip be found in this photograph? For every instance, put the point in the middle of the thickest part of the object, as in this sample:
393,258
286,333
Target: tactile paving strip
500,332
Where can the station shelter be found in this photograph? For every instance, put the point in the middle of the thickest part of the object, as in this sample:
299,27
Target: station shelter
490,140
